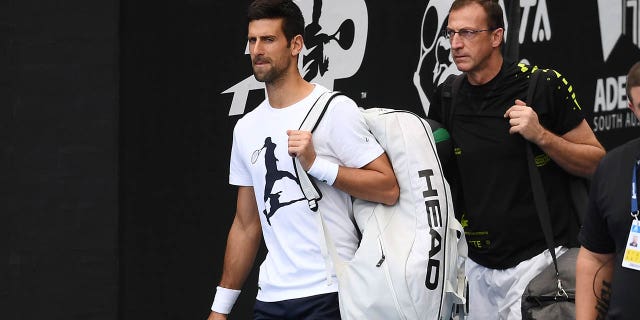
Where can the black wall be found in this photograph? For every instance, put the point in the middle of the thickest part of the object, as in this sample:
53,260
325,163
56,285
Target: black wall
115,131
176,205
58,136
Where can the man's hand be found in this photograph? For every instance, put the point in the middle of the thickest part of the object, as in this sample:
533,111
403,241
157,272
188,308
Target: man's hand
524,120
217,316
301,146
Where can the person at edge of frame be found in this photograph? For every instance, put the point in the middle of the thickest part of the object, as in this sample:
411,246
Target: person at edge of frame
608,264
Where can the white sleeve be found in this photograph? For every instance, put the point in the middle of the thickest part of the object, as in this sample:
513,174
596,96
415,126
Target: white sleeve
350,138
239,174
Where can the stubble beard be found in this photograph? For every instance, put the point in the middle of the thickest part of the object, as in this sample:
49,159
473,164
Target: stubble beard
268,76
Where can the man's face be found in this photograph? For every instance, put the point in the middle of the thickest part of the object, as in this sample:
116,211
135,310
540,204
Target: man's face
270,55
634,101
471,55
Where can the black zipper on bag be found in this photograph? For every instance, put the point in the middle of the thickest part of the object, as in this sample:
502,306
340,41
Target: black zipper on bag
382,258
380,261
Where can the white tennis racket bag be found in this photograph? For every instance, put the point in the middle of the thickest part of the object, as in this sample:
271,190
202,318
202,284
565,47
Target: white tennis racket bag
410,262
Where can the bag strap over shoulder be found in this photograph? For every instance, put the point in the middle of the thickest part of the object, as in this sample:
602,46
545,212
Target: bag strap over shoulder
450,89
310,123
312,192
315,114
539,195
450,93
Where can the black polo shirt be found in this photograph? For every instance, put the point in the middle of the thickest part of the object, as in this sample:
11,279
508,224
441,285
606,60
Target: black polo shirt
501,223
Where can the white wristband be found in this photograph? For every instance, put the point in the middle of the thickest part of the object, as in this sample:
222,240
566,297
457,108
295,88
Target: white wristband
224,300
324,170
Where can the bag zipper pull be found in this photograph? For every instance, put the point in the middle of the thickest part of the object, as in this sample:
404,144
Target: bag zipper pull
380,261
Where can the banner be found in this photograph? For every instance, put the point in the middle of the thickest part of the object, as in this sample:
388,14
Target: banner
393,55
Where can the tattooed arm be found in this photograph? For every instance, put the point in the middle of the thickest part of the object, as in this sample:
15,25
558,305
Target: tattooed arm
594,272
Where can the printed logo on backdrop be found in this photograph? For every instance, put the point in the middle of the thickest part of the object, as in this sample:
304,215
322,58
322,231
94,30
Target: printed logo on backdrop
617,18
335,40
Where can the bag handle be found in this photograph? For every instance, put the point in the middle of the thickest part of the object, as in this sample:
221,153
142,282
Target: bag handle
539,195
310,122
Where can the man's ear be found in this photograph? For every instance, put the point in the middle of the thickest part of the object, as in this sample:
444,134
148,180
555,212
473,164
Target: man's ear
297,42
497,37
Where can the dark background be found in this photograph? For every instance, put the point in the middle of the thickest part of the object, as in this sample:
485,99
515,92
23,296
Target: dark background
115,139
58,134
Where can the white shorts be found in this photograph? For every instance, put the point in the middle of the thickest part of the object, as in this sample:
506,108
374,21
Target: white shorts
497,294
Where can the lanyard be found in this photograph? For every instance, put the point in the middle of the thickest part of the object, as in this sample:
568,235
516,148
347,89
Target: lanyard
634,193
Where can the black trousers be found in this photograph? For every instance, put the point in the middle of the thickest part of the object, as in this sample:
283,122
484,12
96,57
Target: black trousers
319,307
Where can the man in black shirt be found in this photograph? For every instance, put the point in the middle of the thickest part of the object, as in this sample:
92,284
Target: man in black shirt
608,266
489,125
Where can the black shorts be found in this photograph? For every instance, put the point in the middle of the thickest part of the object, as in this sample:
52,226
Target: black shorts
319,307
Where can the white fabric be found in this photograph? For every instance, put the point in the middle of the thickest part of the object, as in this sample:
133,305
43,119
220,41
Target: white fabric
294,266
497,294
224,300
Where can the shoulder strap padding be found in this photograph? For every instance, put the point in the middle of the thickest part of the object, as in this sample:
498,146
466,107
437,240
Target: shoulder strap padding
310,122
451,87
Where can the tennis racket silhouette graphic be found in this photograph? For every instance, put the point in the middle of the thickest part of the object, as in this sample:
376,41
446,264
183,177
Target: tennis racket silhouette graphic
255,154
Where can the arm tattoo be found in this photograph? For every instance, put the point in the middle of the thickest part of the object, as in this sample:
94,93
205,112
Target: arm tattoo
603,300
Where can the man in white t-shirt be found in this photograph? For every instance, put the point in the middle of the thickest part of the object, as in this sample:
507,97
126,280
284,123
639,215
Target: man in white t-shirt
342,155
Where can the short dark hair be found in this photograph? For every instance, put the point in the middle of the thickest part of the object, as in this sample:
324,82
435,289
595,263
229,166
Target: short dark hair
633,79
289,12
495,17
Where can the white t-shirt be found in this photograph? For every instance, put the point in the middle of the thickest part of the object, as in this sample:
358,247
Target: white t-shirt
294,266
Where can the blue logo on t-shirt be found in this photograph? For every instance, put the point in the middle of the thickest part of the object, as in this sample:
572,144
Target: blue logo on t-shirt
273,175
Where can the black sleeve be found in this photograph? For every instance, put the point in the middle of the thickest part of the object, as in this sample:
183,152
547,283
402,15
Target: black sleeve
594,234
564,112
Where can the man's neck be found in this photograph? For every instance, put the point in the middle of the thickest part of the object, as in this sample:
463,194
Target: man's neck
488,72
288,90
